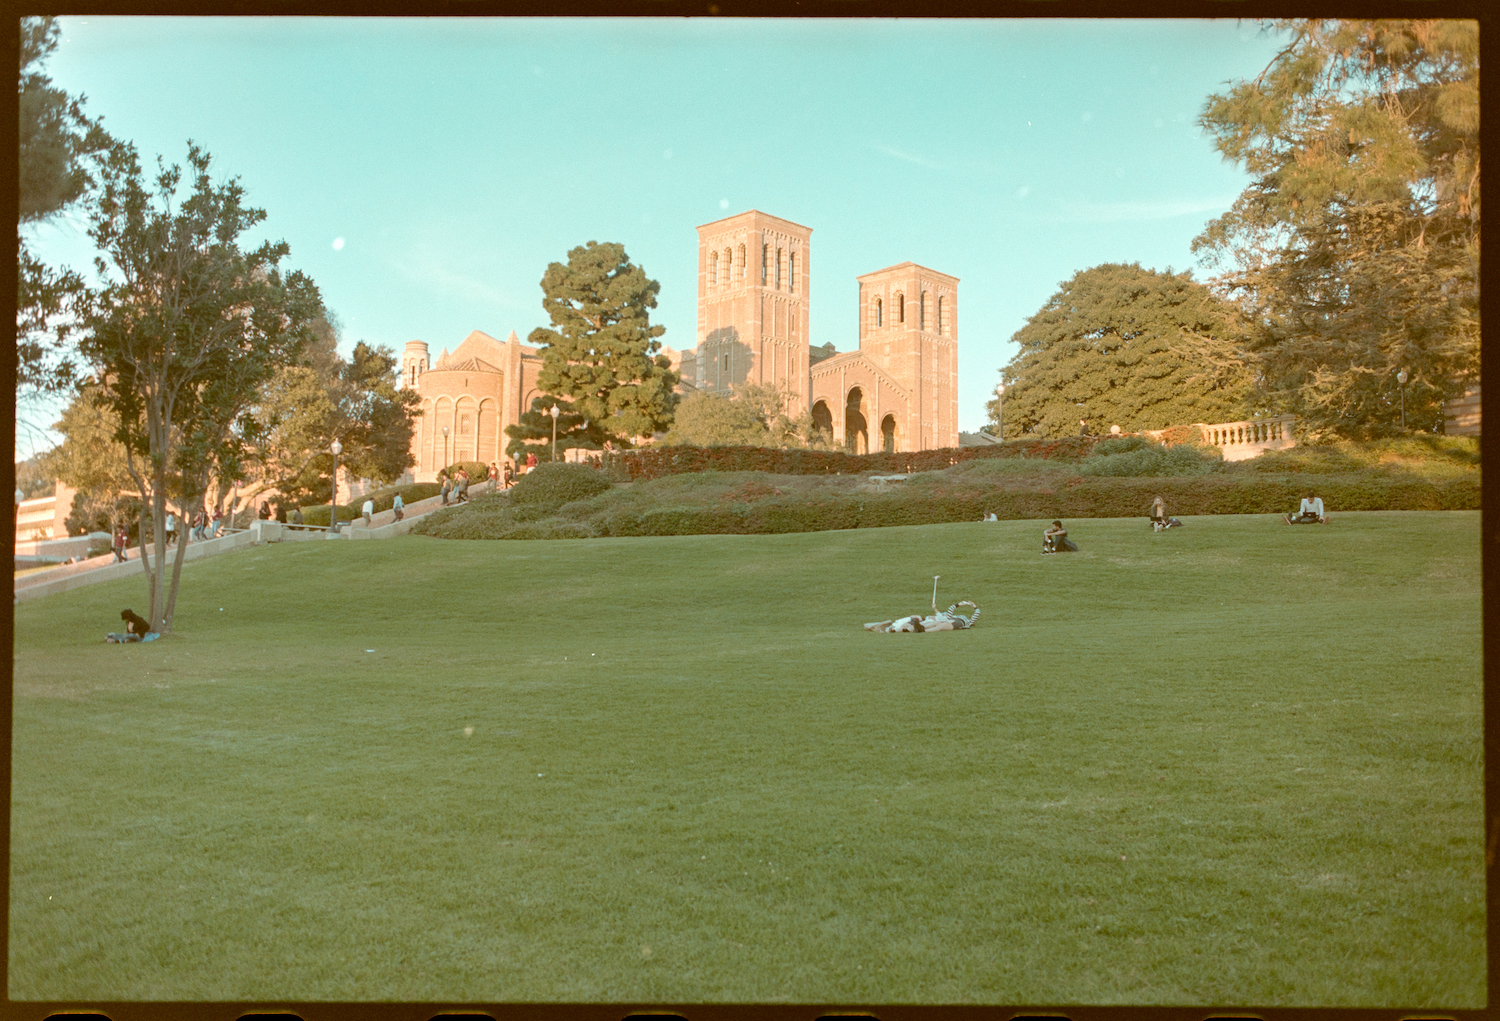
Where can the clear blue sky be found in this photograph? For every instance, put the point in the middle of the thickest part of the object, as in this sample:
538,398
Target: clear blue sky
426,171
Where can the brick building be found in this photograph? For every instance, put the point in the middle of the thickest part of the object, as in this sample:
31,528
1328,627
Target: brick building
754,286
754,292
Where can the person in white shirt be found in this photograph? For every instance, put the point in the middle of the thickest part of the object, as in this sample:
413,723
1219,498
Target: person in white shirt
368,510
1309,513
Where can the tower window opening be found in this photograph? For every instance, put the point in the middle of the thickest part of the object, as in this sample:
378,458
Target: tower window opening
778,269
922,311
879,314
713,270
940,315
791,272
900,307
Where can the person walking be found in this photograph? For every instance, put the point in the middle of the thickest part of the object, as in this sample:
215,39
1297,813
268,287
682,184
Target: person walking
510,475
171,527
447,486
217,525
530,462
494,476
121,544
368,510
463,486
398,506
199,523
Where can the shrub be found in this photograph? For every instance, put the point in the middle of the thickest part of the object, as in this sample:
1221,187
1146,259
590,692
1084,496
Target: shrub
411,492
1123,445
554,484
1153,460
478,471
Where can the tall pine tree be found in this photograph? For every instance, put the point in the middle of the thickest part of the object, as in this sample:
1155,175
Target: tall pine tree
600,356
1355,248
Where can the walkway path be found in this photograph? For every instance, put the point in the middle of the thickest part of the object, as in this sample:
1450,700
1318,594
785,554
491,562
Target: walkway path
65,577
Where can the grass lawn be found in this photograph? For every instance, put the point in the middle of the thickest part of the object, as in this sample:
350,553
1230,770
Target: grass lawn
1235,763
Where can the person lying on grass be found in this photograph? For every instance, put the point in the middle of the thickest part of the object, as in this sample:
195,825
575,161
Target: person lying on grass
940,620
1309,513
1055,540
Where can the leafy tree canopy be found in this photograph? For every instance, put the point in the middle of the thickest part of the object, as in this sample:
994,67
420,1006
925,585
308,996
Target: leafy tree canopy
1355,249
755,416
55,138
1121,345
305,406
185,332
600,355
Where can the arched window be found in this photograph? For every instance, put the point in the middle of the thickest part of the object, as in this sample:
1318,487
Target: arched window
713,270
728,266
791,272
922,311
741,274
778,269
940,315
765,257
879,314
900,307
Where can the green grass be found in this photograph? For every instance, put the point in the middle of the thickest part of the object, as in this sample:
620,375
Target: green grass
1236,763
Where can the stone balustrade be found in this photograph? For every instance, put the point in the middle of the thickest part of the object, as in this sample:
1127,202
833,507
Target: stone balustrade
1241,440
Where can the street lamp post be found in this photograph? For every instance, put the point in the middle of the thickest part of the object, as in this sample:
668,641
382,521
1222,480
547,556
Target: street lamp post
1401,378
553,413
445,448
333,508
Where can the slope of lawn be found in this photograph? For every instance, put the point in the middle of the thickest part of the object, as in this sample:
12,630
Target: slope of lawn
1233,763
800,491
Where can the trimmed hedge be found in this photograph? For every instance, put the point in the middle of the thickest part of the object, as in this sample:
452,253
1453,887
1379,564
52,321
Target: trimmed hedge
411,492
556,483
655,462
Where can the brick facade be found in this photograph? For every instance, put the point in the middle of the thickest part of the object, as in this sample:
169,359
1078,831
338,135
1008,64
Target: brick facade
898,391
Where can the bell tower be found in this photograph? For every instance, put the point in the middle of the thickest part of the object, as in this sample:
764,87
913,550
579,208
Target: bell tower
753,275
908,326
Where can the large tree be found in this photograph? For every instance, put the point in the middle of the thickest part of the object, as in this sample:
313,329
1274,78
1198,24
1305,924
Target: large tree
183,333
93,462
304,407
1127,346
1355,249
55,140
755,416
600,355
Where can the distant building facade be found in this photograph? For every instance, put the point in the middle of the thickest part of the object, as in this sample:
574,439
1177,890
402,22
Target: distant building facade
468,398
898,391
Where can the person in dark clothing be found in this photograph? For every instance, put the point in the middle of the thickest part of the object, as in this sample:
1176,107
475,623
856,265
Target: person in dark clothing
135,624
1055,540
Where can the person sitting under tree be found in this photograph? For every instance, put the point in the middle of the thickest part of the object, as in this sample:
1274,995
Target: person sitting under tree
1055,540
1309,513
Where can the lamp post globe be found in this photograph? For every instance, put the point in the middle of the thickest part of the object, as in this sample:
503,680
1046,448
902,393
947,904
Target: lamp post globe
333,508
554,413
1401,378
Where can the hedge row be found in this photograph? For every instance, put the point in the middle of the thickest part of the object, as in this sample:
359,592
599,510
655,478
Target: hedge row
656,462
1072,497
317,514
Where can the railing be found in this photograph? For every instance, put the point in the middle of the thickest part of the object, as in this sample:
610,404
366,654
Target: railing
1241,440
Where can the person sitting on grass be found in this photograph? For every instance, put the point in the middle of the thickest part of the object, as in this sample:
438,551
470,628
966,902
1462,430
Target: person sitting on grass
1309,513
137,628
1157,515
1055,540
